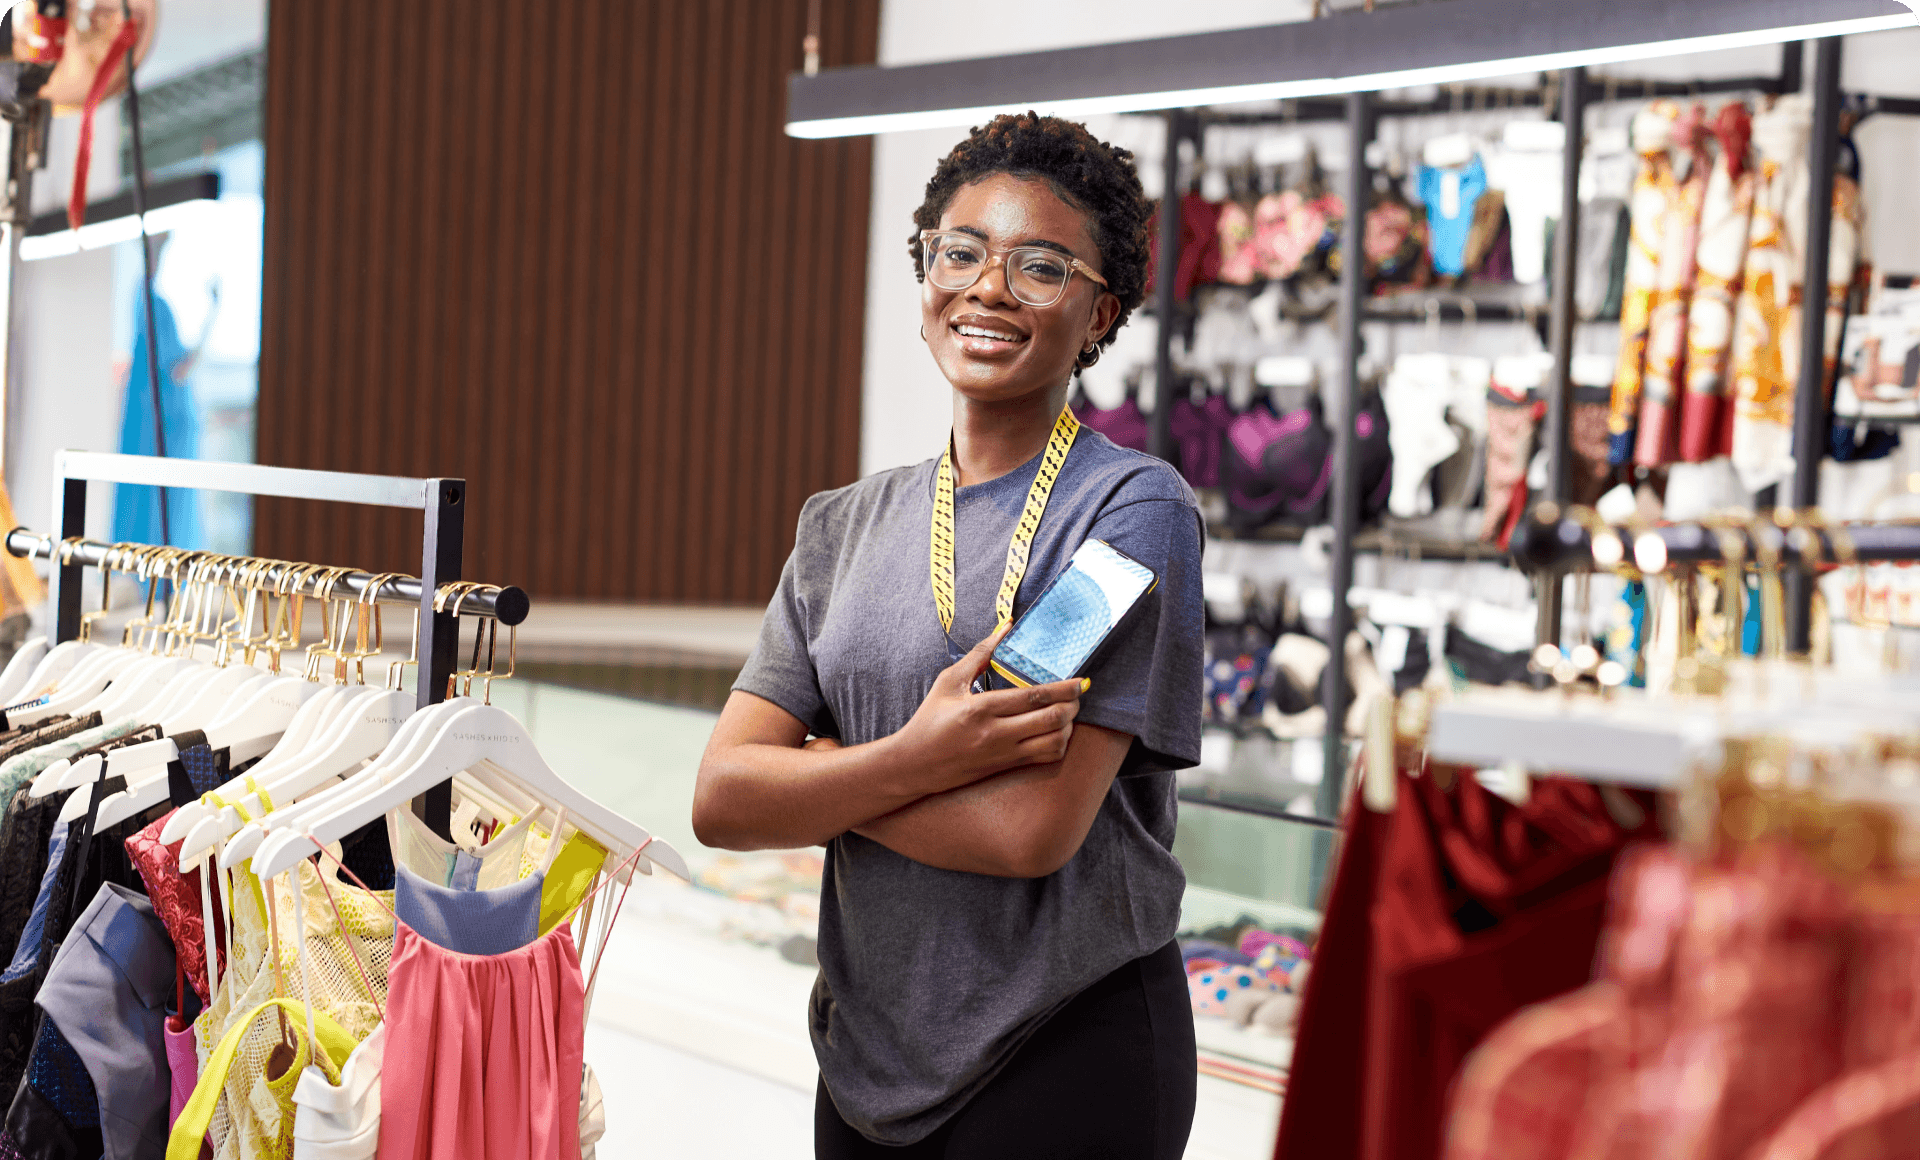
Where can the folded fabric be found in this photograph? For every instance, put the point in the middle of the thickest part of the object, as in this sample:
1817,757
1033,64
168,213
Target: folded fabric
1212,989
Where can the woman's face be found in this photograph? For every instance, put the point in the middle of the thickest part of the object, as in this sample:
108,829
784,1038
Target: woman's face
1014,349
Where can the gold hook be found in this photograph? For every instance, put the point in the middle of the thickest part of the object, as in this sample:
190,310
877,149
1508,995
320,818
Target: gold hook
396,671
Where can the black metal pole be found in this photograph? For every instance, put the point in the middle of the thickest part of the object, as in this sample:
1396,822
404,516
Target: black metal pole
1793,55
445,543
64,573
146,266
1810,394
1566,241
1346,469
1165,305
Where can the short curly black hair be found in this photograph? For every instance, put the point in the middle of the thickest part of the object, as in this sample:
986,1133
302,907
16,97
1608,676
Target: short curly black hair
1085,171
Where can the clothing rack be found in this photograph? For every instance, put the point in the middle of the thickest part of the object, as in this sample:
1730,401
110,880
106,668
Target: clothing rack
1577,89
1551,544
508,605
441,502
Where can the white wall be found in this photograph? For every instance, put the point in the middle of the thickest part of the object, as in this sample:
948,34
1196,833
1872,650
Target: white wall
905,403
66,388
69,388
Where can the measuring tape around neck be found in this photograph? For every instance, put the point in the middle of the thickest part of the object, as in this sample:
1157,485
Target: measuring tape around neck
940,563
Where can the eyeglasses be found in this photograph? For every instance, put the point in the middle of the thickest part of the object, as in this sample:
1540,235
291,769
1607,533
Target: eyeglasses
1036,276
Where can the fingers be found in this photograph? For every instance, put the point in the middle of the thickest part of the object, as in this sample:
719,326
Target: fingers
1040,722
964,671
1012,702
1047,747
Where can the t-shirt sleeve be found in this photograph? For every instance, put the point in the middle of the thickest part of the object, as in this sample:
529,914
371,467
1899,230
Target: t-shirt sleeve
781,667
1147,679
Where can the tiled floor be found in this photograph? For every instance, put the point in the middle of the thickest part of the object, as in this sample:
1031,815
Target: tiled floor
698,1034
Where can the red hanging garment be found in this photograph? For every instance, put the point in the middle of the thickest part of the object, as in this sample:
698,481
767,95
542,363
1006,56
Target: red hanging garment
1473,908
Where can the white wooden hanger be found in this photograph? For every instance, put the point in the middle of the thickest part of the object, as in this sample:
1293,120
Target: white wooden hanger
88,679
147,786
65,774
136,685
75,807
89,676
288,812
255,716
57,663
26,658
476,734
306,723
368,726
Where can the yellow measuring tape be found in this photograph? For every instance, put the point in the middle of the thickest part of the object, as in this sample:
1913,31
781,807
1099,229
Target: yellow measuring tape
940,562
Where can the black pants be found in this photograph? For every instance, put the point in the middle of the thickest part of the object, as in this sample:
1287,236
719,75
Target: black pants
1110,1077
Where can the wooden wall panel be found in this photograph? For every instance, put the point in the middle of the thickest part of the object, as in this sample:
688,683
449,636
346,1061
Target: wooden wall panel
576,262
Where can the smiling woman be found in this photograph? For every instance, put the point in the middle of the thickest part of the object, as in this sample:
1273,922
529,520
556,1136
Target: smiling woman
997,972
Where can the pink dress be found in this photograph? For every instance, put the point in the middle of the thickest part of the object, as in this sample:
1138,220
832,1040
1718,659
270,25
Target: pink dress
485,1052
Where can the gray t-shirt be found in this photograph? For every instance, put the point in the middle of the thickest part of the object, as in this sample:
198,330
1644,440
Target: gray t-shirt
930,979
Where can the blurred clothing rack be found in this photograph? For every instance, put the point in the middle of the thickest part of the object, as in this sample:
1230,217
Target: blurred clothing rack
1548,542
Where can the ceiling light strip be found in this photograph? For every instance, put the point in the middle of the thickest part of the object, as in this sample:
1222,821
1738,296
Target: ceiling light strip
907,120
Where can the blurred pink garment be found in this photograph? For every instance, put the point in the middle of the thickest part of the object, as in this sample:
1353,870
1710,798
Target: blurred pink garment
484,1052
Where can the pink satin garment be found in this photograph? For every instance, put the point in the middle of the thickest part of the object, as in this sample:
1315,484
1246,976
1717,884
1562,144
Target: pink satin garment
184,1064
487,1052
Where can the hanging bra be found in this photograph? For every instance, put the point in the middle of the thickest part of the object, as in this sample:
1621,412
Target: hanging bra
1279,468
1200,429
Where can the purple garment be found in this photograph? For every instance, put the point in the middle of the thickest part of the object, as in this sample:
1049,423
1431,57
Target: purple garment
1125,425
1280,467
1200,431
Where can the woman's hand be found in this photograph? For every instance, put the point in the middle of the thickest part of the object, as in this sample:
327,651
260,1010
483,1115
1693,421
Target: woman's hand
958,736
763,785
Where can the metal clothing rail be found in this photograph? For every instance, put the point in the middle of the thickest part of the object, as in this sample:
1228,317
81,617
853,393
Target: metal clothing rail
1549,543
440,501
1248,805
508,605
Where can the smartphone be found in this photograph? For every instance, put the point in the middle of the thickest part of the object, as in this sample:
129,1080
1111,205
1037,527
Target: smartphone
1056,637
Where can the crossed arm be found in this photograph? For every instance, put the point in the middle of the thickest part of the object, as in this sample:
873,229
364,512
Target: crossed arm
1001,783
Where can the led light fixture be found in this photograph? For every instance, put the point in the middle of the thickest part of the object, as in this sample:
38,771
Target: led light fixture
1440,42
112,220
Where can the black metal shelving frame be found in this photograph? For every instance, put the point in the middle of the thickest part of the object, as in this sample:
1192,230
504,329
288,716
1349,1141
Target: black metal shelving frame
442,503
1574,93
